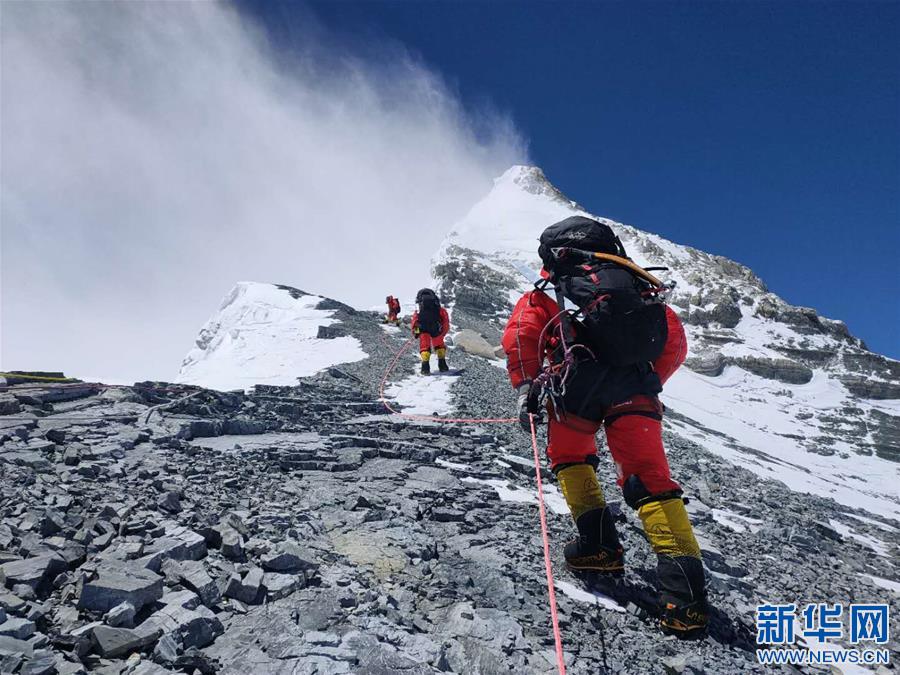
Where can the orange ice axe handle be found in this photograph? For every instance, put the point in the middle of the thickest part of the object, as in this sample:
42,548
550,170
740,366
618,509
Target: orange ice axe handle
562,252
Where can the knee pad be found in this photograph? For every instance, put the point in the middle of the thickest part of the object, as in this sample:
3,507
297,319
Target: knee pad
636,493
580,488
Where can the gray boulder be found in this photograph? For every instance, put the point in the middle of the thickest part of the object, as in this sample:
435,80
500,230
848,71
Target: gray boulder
195,627
473,343
120,616
112,642
34,571
16,627
117,584
290,556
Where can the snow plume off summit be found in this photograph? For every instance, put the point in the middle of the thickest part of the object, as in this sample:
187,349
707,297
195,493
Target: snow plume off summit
156,153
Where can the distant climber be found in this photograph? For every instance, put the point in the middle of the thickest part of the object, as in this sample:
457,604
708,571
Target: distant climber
430,323
608,358
393,313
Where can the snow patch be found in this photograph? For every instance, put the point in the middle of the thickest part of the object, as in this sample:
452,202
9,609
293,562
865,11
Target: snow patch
735,521
755,425
423,395
876,545
593,597
892,586
513,493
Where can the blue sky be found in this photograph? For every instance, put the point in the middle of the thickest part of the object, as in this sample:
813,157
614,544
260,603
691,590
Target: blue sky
765,132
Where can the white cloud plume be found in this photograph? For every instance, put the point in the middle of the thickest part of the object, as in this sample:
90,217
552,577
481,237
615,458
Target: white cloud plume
155,153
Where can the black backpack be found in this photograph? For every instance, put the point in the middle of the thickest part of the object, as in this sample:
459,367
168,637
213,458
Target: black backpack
429,312
621,316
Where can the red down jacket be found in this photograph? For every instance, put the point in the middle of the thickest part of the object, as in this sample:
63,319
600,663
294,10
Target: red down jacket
532,314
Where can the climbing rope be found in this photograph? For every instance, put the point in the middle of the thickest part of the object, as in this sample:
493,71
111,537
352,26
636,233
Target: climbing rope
548,567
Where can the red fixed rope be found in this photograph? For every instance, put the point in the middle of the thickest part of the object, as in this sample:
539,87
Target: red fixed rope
548,567
431,418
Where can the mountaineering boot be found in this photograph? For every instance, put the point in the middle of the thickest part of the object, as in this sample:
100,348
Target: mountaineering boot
686,620
597,547
426,362
685,612
442,360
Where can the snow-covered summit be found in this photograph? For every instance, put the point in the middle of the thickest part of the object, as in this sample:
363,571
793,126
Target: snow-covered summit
521,203
773,387
266,334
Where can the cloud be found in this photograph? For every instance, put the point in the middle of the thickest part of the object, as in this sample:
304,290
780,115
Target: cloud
153,154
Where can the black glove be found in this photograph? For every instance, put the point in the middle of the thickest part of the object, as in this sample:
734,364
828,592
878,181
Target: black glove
527,405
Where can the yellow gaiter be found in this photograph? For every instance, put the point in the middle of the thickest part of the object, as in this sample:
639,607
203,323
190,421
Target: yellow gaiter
580,488
426,356
441,352
668,528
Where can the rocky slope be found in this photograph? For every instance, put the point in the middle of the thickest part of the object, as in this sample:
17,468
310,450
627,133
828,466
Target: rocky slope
297,527
167,528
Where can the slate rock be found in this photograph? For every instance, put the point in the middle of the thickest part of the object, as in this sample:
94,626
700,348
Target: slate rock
243,426
249,590
169,502
11,645
187,599
18,628
32,572
166,650
43,662
443,515
279,585
232,546
290,556
193,574
194,627
121,616
112,642
125,583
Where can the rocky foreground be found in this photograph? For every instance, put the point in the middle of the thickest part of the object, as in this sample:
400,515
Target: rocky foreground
167,528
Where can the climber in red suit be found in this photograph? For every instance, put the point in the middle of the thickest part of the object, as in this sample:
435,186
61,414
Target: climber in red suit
430,323
393,305
623,399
